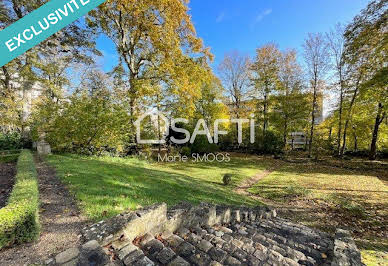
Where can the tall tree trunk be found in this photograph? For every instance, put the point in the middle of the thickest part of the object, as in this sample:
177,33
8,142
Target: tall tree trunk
265,124
379,118
285,129
133,76
306,140
313,120
343,147
340,120
159,131
237,117
355,141
330,133
132,116
349,116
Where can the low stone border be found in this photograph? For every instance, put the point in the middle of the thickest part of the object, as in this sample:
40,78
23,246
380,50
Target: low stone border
148,236
345,249
156,218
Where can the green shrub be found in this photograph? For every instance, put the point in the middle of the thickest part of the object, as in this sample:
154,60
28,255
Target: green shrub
227,179
269,143
19,221
145,153
11,141
186,151
85,124
9,152
201,145
8,158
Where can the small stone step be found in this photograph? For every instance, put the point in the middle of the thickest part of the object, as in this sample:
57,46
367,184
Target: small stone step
208,235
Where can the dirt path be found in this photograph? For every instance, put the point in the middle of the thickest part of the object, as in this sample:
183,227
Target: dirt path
248,183
242,189
60,220
7,175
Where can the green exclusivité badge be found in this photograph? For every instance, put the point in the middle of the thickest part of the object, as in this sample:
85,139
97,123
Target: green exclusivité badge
41,24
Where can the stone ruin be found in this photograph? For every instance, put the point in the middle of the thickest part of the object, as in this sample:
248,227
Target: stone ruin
207,235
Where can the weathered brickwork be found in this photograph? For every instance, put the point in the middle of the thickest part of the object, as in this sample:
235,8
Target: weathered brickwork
207,235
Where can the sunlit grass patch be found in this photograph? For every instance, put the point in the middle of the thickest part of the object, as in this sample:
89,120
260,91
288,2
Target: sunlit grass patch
331,197
105,186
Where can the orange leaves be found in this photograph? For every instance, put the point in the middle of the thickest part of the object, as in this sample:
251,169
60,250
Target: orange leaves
157,42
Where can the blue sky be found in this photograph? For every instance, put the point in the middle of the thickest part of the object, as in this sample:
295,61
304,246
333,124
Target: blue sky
243,25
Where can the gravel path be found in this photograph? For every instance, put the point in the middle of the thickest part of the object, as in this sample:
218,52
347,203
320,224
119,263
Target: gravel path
7,174
60,220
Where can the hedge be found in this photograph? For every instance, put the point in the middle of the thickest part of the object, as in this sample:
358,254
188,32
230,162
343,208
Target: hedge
11,141
19,220
10,157
7,152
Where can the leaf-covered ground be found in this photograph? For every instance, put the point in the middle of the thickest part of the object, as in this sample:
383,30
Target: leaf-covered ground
328,197
7,174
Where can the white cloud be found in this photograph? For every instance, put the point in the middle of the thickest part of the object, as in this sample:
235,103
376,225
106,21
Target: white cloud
261,16
220,17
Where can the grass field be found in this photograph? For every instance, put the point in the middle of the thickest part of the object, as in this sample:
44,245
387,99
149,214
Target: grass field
106,186
320,196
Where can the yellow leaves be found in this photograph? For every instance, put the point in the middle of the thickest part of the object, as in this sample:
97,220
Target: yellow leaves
157,42
266,66
11,104
148,27
208,53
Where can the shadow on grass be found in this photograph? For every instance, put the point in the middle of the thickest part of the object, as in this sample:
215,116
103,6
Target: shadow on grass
108,188
321,189
327,197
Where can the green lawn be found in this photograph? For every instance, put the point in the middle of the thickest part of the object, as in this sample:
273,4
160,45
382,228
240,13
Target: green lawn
329,197
106,186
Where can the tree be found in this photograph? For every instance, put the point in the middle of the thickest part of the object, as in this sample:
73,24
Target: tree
89,121
354,79
211,104
157,45
290,109
43,69
14,75
366,37
95,83
266,75
336,43
316,57
234,71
